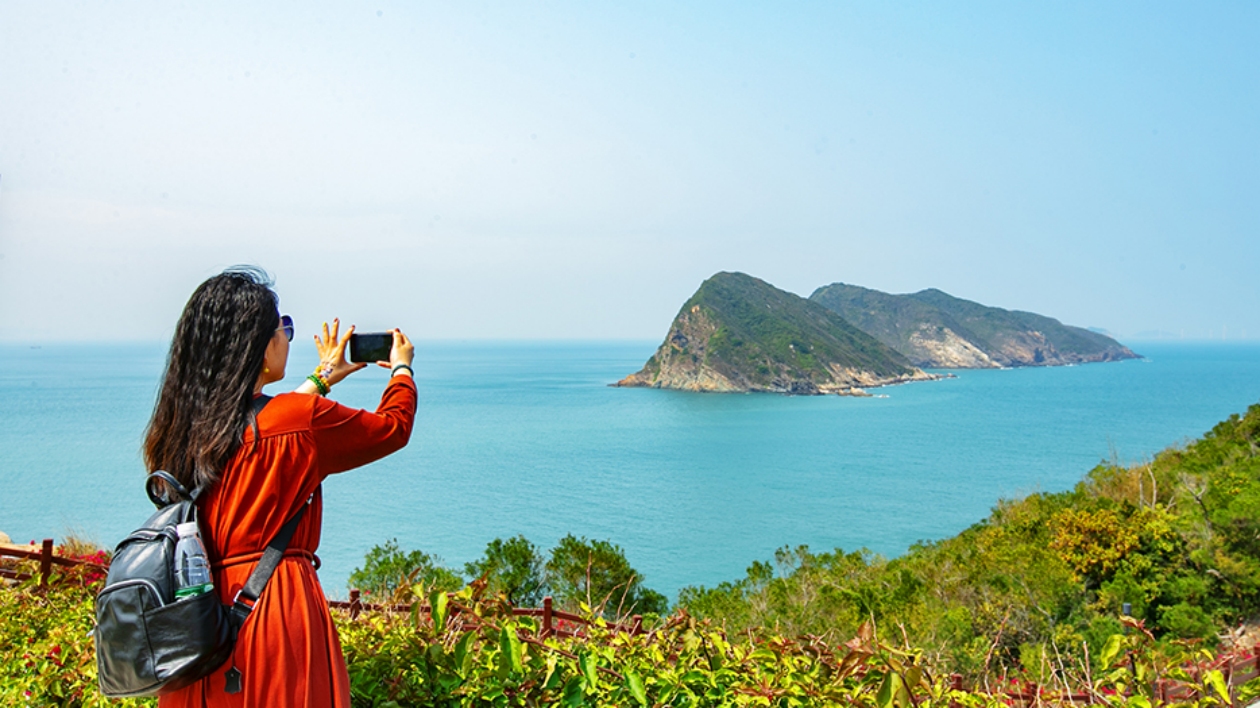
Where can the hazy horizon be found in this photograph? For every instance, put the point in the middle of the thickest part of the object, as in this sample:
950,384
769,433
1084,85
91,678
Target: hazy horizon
569,172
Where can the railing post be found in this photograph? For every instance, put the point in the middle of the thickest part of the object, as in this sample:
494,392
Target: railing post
45,562
955,684
355,605
636,624
546,623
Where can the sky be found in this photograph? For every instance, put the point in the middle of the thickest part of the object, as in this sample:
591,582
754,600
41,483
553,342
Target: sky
569,170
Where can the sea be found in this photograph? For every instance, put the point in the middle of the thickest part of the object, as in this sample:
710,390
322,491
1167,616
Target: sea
529,438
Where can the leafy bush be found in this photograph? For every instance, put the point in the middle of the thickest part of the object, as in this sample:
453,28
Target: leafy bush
46,652
597,573
471,651
386,568
515,568
474,652
579,571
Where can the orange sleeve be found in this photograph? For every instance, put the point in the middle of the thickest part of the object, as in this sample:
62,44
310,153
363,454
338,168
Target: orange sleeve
346,437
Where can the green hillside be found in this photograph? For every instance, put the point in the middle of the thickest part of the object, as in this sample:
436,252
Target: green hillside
739,333
935,329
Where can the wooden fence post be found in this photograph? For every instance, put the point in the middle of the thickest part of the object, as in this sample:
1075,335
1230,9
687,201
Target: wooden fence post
546,625
355,605
45,562
955,684
636,624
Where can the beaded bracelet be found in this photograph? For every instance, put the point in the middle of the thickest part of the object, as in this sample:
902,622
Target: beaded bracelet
320,384
394,371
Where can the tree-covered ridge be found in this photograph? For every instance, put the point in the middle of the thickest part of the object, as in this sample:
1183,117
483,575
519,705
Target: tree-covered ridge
739,333
1048,575
935,329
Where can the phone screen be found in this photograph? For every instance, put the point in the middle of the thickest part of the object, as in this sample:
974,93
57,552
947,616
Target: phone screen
370,347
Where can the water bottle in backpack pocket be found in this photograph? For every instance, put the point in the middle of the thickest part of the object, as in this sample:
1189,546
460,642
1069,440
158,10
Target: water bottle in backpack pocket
192,568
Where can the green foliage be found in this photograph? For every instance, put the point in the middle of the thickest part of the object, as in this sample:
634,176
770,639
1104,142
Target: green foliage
515,568
46,652
483,656
471,651
387,568
597,573
580,572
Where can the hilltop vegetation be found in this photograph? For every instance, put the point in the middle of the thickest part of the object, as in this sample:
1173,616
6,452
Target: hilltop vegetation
1044,578
739,333
935,329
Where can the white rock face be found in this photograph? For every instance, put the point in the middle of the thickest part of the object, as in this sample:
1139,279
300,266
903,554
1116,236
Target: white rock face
947,350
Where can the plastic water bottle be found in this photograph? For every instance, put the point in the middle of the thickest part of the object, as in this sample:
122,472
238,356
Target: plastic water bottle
192,568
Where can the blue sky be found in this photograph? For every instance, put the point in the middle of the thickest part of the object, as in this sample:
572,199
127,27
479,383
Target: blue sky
573,170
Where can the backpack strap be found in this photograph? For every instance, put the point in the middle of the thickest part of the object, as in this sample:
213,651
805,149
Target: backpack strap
173,487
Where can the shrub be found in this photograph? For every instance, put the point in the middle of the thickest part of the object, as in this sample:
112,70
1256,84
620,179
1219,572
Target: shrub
46,652
515,568
597,573
386,568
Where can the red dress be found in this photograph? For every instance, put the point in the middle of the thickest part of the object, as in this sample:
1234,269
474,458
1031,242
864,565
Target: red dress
288,652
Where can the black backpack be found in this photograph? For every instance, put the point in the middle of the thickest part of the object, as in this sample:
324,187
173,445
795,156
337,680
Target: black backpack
148,642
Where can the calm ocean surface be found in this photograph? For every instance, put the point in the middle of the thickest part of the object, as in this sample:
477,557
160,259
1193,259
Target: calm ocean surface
516,438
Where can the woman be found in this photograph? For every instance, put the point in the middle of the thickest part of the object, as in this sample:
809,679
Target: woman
258,471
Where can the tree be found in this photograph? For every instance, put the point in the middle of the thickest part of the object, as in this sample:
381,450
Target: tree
386,568
597,572
513,567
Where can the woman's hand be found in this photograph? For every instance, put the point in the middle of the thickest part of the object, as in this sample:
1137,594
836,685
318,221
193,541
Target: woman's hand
332,353
401,353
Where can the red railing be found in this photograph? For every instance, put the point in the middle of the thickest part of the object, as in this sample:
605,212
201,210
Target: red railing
45,555
554,622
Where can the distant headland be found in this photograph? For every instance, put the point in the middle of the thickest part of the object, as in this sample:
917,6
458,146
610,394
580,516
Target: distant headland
936,330
738,333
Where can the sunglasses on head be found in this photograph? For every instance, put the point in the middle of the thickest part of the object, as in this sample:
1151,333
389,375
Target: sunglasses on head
286,324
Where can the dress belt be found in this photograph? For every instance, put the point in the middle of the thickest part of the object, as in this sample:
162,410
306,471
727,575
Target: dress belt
254,557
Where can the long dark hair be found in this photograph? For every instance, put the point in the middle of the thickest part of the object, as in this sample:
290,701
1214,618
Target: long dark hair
207,392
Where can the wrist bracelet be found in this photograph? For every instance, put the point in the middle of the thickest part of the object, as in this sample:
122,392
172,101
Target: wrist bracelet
320,384
394,371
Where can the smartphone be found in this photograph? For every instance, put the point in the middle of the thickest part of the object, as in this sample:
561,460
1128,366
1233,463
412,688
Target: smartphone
371,347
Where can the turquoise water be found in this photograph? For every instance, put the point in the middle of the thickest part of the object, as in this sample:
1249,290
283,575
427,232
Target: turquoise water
516,438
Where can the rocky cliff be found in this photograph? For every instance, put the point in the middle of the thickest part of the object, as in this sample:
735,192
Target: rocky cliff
937,330
739,333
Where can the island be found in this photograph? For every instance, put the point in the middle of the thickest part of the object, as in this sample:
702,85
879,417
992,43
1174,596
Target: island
738,333
933,329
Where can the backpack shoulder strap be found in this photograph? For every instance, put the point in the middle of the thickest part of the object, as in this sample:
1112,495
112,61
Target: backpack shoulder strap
248,595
